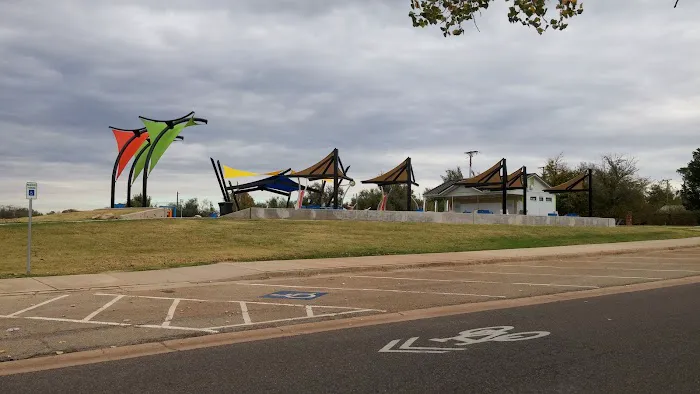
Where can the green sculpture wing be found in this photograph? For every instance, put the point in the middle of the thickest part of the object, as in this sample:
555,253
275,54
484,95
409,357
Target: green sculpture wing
165,141
138,167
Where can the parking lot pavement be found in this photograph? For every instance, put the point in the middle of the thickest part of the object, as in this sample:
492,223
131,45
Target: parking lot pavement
32,325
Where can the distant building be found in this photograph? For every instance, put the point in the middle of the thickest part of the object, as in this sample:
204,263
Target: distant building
455,198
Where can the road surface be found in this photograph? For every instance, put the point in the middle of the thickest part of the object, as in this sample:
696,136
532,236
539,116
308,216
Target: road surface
639,342
69,322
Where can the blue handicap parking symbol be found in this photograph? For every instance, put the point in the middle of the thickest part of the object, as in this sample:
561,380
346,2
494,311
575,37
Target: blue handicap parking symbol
31,192
295,295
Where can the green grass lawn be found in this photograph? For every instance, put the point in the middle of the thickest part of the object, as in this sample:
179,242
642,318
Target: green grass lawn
91,247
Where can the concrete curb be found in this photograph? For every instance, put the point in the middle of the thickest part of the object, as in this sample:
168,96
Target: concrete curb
199,342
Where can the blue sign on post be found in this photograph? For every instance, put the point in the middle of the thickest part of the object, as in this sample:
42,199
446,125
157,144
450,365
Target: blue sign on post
295,295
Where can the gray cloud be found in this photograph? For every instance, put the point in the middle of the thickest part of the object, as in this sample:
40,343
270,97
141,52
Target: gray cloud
284,82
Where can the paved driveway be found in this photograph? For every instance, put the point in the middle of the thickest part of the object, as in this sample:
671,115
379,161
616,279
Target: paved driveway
41,324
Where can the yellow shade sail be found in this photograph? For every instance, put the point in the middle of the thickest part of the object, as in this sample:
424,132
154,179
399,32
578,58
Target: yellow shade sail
236,173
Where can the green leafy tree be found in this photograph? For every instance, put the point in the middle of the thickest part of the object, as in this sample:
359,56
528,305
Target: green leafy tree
617,187
452,174
449,15
370,198
136,201
660,194
13,212
276,202
367,198
690,191
190,208
244,201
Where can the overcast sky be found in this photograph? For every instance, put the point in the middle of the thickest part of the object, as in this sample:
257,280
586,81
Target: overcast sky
283,82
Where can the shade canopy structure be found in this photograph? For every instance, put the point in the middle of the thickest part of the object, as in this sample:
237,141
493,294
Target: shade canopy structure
399,175
278,184
515,181
490,177
579,184
494,176
330,167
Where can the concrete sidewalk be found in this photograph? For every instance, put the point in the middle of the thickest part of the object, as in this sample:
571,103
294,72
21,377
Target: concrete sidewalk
226,271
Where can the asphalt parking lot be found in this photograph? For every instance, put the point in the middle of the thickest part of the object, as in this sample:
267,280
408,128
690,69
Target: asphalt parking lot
62,322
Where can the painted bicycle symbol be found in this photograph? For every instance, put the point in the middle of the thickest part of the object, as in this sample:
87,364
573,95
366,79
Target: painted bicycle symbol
486,334
463,339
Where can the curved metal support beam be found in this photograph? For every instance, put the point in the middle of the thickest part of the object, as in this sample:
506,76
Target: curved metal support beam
169,125
137,134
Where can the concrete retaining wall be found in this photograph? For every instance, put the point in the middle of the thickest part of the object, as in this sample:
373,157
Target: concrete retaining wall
154,213
425,217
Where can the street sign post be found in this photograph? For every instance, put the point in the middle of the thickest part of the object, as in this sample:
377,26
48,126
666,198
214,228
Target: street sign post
31,196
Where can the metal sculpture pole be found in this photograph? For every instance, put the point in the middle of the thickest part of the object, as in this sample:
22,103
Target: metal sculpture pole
524,182
335,178
409,179
131,173
504,183
590,192
137,134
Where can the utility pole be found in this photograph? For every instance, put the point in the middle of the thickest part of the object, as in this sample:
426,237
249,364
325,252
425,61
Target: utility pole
471,154
668,188
542,168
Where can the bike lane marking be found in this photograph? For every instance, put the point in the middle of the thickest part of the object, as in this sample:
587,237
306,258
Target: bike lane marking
464,338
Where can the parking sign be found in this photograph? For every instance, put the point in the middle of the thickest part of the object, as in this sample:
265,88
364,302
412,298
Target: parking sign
31,190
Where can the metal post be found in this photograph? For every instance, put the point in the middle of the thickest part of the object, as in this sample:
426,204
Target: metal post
221,182
504,183
29,240
131,173
335,178
408,185
590,192
524,190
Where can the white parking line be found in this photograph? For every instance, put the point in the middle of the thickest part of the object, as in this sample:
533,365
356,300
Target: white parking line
473,281
356,289
596,268
171,313
37,305
105,306
244,312
309,311
538,274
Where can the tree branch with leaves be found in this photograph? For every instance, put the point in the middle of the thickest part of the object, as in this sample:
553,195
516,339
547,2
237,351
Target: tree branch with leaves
451,14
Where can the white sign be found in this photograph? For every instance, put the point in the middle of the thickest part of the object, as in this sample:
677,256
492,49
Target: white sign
31,190
463,339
